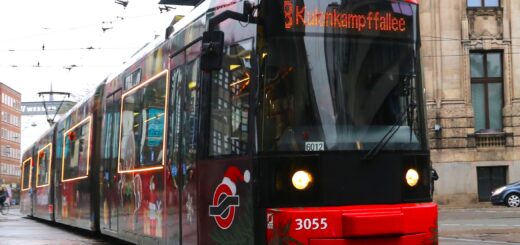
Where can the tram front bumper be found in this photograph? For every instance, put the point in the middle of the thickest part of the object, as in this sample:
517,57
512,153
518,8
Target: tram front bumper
352,225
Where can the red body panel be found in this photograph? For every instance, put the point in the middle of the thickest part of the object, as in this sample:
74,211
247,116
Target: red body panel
406,239
43,207
369,224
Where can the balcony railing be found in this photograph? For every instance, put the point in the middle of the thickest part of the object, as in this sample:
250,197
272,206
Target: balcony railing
490,140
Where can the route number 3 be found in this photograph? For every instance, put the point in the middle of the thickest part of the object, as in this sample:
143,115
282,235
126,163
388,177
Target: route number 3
311,224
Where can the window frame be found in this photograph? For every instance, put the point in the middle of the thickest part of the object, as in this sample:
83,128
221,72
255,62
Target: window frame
486,80
165,73
81,123
483,4
30,160
49,167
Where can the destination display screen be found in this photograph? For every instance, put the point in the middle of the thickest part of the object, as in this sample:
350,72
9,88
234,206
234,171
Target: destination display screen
372,21
383,18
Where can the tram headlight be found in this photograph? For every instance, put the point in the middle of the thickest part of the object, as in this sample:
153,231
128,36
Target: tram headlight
301,180
412,177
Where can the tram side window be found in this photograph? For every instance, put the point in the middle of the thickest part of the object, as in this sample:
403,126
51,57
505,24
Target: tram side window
133,79
76,142
230,102
26,179
43,166
142,125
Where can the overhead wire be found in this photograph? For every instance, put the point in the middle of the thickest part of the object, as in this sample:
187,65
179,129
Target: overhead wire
54,66
67,49
90,48
79,27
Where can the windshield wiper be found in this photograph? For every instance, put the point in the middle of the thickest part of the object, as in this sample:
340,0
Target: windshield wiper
408,113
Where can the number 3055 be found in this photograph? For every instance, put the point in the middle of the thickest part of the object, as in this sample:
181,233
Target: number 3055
311,224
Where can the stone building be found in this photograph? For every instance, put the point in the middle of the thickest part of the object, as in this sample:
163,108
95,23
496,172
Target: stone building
10,121
471,68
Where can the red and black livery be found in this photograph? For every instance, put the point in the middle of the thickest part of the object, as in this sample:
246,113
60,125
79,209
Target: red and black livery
252,122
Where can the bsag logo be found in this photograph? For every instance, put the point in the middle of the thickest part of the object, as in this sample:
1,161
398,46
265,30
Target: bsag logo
224,205
225,201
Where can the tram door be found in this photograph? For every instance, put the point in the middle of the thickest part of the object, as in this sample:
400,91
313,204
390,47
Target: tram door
182,145
109,217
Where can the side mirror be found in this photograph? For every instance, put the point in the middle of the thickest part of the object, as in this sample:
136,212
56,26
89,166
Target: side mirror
212,50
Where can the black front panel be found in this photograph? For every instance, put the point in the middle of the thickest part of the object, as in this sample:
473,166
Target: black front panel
343,179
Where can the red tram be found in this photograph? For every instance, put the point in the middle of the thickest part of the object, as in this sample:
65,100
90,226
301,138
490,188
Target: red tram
252,122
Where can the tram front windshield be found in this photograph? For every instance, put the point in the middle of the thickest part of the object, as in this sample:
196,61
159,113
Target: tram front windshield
339,75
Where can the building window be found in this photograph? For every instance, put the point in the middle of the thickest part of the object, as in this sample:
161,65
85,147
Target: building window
483,3
486,90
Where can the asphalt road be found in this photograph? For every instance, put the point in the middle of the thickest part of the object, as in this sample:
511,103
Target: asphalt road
489,225
15,229
457,226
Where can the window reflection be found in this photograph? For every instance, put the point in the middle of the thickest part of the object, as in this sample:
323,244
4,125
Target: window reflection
44,161
330,88
76,150
142,125
341,92
26,180
230,102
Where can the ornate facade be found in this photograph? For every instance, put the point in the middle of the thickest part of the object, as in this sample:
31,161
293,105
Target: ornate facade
471,55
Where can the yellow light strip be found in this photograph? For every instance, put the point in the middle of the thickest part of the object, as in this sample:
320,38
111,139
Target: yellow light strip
140,169
143,84
158,75
241,81
152,118
49,166
78,178
30,173
89,120
165,128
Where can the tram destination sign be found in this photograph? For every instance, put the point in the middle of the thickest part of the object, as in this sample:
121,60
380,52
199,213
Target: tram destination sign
386,18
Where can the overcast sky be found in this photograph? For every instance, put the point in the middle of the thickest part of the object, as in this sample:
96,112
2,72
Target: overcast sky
39,40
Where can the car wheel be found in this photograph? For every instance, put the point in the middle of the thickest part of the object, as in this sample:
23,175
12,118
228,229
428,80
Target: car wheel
513,200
